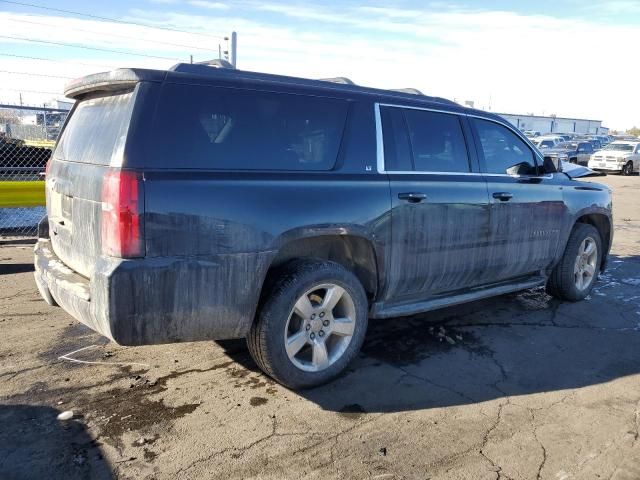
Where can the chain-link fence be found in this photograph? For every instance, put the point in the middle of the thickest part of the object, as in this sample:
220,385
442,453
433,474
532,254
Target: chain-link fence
27,137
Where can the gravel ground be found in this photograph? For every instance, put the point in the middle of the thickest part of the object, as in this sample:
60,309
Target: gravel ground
521,387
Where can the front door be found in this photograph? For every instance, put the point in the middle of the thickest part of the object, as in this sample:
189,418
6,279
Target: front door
440,208
527,208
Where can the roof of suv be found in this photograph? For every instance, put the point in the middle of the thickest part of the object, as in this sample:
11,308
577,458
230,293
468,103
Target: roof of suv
127,77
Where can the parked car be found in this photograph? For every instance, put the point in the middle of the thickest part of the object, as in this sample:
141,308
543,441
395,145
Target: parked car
565,137
573,152
547,142
597,144
619,156
531,133
201,203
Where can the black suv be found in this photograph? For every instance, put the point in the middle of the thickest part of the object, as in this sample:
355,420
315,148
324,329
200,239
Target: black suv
203,203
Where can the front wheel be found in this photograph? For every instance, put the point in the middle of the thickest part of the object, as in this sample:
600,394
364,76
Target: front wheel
311,324
628,169
574,276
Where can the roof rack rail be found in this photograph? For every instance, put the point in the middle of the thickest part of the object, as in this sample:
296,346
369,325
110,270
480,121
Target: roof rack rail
217,63
413,91
342,80
202,67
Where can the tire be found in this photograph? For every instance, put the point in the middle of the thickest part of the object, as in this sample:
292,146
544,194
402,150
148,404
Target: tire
628,169
564,282
280,318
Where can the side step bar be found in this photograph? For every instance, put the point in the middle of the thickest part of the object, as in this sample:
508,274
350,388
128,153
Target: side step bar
382,310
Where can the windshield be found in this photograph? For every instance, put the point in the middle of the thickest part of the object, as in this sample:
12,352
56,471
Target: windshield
567,146
621,147
544,143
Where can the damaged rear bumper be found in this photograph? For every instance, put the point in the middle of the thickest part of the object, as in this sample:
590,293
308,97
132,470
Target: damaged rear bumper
157,300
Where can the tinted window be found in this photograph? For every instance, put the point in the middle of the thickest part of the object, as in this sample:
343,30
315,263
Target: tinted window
97,130
585,147
218,128
397,150
437,142
503,151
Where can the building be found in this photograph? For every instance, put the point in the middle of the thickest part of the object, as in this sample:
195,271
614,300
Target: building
556,124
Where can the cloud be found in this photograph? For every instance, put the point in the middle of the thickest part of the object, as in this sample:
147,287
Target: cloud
523,63
209,5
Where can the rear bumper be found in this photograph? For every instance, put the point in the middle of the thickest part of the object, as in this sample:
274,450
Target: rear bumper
157,300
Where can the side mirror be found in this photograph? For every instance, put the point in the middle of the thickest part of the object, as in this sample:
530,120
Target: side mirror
552,165
520,169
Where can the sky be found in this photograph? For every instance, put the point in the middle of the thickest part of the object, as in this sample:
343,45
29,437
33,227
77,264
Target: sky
570,58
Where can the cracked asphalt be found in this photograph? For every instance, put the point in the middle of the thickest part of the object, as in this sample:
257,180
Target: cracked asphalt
516,387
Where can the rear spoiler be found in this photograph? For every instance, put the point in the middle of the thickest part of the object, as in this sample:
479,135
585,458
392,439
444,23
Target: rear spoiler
114,80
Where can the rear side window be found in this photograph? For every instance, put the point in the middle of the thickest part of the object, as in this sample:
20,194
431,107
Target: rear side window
437,142
423,141
97,130
220,128
503,151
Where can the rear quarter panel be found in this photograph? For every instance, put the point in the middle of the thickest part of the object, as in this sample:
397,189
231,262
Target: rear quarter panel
237,222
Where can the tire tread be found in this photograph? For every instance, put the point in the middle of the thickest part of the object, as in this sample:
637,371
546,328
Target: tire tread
560,283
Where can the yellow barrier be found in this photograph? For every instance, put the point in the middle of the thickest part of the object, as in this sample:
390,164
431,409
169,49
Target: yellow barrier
40,143
21,194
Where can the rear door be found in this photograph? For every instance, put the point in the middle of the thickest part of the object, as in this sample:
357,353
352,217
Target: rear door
440,217
527,208
92,140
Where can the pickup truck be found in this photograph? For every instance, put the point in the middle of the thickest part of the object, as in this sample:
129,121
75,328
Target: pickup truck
205,203
573,152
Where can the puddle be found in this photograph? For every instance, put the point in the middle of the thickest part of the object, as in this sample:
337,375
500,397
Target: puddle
130,409
404,342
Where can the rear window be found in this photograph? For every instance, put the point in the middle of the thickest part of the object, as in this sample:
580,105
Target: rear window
97,130
220,128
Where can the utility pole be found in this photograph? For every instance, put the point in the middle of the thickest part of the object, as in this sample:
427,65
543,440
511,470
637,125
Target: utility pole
234,49
44,119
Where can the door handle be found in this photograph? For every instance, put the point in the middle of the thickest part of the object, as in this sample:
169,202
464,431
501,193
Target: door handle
503,196
412,197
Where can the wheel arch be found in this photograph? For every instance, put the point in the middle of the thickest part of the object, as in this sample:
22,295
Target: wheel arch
602,223
355,252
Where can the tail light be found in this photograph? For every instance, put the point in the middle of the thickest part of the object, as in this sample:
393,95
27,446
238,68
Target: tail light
47,167
122,208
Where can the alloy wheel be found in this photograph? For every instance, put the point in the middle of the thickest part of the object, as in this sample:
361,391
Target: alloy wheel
585,266
320,327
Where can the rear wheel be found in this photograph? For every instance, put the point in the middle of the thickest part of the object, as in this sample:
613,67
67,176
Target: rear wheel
311,324
628,169
574,276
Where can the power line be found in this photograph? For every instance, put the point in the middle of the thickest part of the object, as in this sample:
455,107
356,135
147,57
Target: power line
43,59
35,74
86,47
22,90
88,15
128,37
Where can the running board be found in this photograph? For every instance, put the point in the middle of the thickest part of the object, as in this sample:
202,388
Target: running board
380,310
